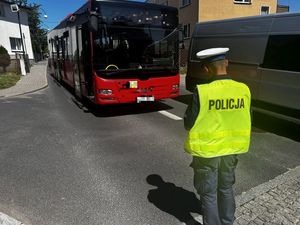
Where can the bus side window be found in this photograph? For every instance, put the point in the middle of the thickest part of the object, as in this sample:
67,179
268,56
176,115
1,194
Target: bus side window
282,53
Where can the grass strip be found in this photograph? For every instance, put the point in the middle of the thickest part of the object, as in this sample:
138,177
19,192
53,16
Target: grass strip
8,80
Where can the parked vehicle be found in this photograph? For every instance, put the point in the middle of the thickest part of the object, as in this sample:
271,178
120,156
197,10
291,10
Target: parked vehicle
264,54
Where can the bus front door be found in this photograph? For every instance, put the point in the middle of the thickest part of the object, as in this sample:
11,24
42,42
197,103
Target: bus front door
86,60
80,81
57,65
77,64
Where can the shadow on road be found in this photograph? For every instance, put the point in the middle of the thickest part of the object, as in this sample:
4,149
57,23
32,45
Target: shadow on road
120,109
186,99
173,200
277,126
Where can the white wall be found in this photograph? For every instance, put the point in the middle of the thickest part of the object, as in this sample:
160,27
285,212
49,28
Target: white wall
9,27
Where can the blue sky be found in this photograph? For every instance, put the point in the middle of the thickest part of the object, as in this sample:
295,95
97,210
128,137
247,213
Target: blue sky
58,9
294,4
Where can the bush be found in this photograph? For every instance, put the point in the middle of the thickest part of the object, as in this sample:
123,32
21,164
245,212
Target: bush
4,58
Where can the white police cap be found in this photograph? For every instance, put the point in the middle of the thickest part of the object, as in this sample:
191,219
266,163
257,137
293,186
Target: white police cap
212,54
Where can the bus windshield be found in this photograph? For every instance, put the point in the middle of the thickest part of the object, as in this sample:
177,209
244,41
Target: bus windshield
140,40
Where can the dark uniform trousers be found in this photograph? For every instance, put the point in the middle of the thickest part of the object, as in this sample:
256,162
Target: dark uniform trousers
213,180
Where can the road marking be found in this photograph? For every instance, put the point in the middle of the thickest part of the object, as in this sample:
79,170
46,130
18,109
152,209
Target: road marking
7,220
170,115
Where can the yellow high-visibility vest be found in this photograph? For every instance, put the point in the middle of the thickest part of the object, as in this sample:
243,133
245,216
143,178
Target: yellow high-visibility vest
223,125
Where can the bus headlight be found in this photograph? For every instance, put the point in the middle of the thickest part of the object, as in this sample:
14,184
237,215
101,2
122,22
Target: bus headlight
175,86
105,91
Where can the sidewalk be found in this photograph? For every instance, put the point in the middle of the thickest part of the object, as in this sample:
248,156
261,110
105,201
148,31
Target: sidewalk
33,81
274,202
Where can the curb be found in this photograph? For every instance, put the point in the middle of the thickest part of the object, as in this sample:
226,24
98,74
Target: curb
24,93
267,186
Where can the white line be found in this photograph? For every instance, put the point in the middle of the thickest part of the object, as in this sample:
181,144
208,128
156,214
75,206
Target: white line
5,219
170,115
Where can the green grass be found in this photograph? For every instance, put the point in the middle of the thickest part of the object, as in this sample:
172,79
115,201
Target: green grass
8,80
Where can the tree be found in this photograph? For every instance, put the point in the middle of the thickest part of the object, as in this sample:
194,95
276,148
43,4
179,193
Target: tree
4,58
38,34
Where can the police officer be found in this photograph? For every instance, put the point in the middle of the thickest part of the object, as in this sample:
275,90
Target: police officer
219,124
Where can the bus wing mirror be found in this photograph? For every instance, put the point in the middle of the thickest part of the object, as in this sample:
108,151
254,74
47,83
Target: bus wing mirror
93,24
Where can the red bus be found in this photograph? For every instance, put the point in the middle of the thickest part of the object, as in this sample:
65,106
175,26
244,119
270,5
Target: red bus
114,51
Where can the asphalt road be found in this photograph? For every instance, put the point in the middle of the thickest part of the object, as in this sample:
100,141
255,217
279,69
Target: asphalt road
63,164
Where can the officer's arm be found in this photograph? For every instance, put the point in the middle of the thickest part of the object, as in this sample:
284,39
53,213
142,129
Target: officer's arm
192,111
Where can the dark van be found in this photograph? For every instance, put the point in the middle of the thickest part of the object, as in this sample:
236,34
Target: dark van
264,54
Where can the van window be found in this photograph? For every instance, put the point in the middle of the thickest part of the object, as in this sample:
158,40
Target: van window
283,53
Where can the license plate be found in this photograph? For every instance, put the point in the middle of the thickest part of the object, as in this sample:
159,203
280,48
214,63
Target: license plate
145,99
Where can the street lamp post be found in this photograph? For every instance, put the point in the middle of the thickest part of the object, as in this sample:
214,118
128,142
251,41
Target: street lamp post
45,17
15,8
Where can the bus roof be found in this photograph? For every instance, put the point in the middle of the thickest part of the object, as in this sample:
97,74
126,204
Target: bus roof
84,8
146,4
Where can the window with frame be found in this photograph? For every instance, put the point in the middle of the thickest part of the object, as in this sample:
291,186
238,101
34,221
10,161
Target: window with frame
15,44
2,11
265,10
186,31
242,1
185,2
282,53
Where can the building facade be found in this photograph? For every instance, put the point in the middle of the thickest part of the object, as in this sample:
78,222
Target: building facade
10,33
194,11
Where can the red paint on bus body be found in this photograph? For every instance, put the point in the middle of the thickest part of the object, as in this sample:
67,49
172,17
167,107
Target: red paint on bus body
157,87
